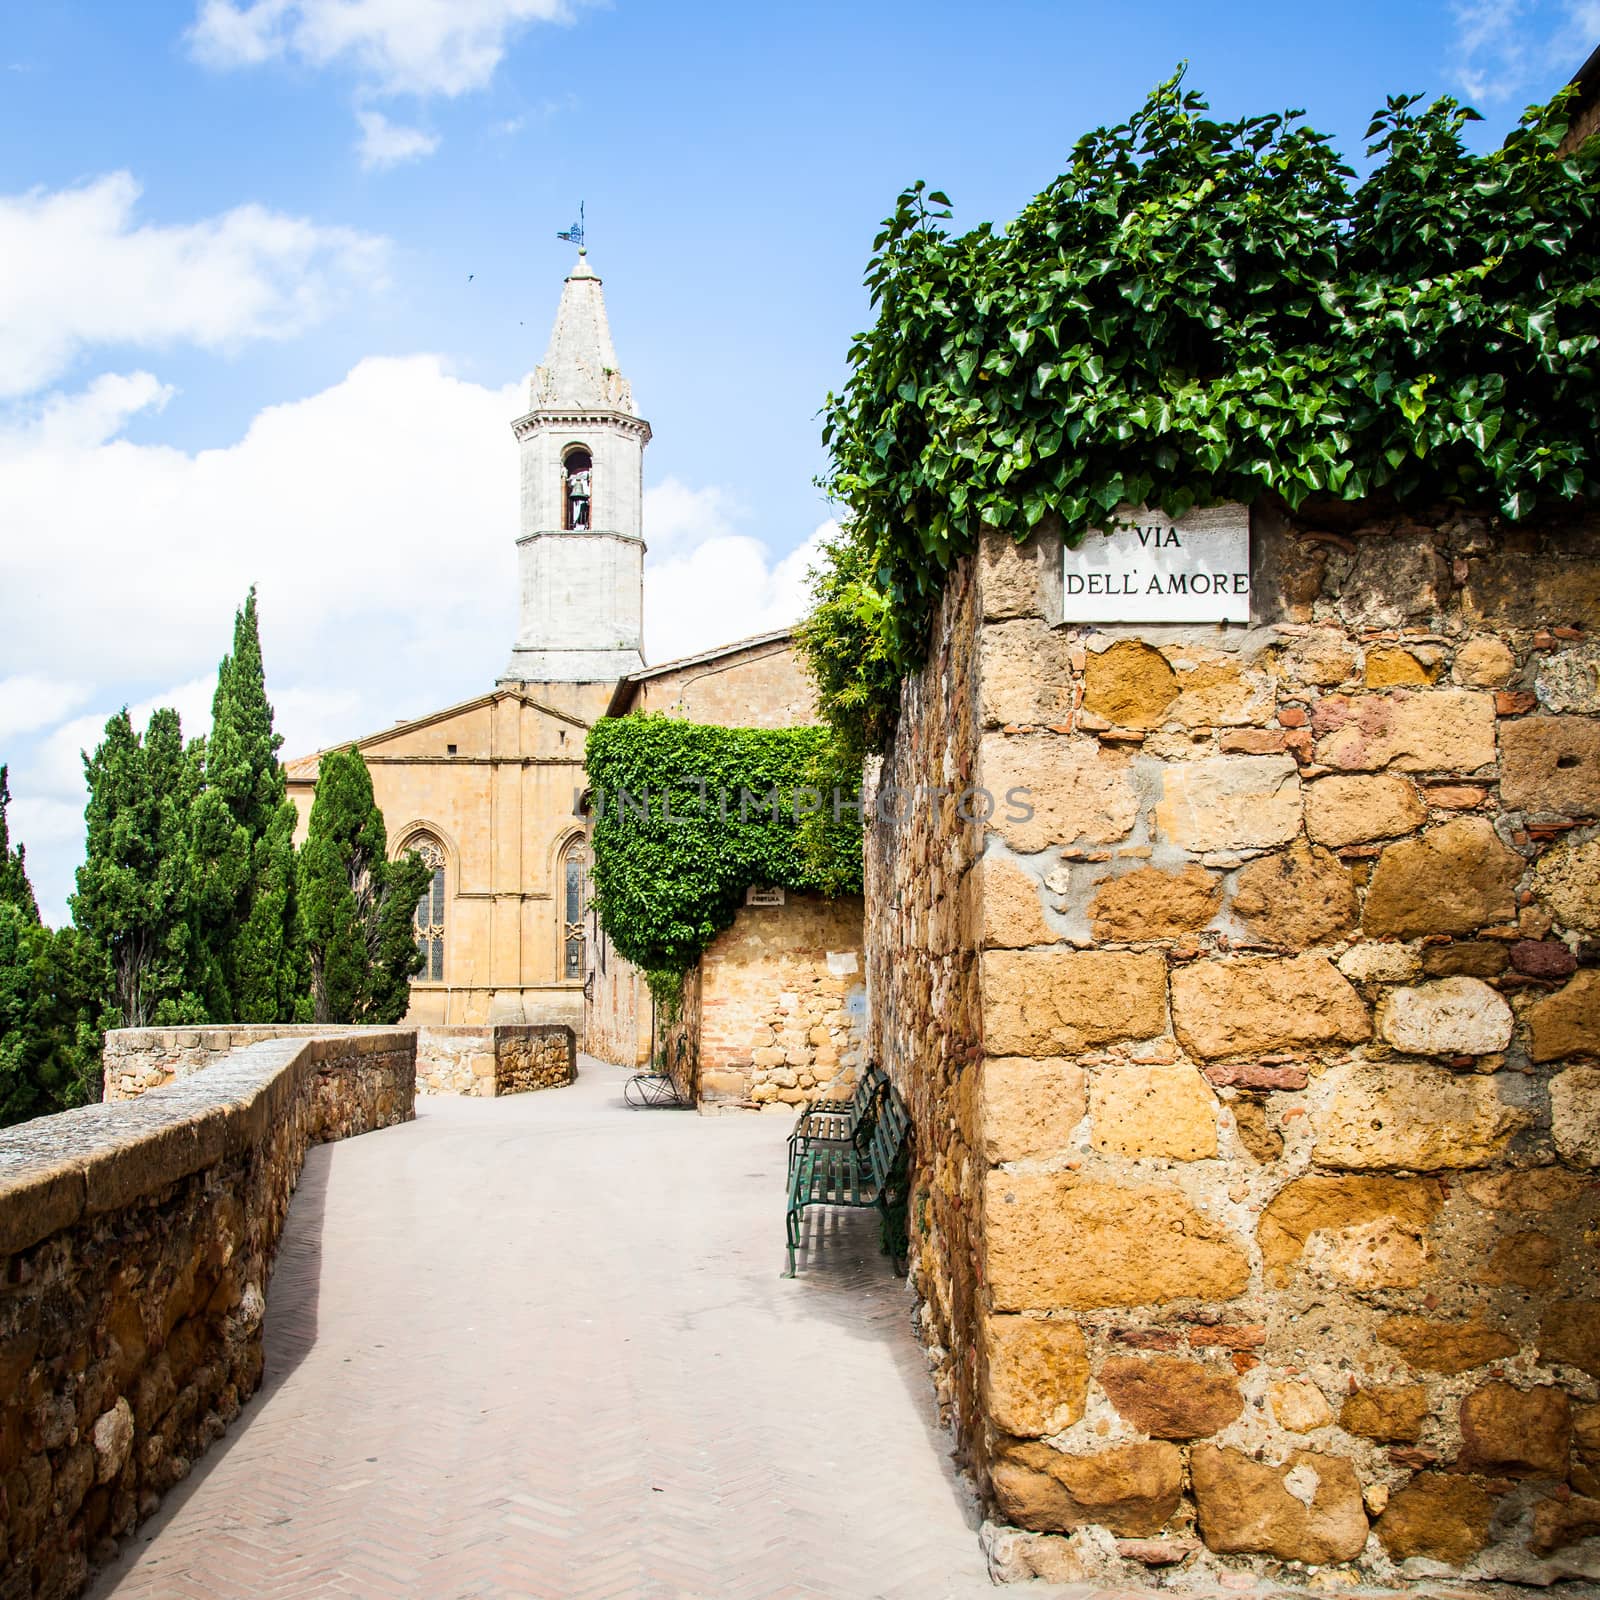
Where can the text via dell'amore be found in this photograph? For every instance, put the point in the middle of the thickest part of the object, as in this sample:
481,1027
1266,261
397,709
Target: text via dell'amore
1150,568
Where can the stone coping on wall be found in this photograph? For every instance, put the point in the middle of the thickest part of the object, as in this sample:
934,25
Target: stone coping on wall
58,1170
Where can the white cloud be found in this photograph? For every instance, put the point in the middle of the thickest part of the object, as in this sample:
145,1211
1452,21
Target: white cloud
77,269
29,702
726,587
378,520
416,47
387,144
1509,48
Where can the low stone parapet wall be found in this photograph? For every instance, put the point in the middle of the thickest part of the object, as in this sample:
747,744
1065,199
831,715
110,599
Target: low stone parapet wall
136,1060
136,1242
530,1057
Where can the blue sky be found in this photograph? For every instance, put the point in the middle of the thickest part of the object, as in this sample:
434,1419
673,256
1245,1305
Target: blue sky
238,340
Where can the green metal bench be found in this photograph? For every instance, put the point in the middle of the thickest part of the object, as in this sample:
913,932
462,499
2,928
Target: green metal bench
864,1171
834,1121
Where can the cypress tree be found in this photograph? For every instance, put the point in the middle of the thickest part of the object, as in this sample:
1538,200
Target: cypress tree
49,1049
135,899
356,905
243,847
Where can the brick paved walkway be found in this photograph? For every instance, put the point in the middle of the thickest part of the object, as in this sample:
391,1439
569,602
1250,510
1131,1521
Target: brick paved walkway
540,1347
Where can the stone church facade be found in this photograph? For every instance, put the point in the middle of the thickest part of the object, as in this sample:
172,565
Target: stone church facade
489,790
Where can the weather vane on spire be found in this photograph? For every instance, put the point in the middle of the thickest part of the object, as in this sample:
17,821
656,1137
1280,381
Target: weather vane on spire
574,234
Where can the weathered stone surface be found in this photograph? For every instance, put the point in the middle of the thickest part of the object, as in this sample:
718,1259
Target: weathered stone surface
1322,658
1216,691
1344,1210
1171,1398
1453,1016
1013,913
1456,878
1559,1523
1029,1107
1254,1075
1569,680
1440,1515
1483,663
1296,898
1227,1008
1229,803
1391,1414
1394,580
1299,1407
1145,1111
1129,1488
1307,1510
1013,575
1129,684
1543,958
1357,810
1575,1112
1150,903
1507,1429
1419,1117
1437,730
1535,1190
1036,1374
1551,764
1465,958
1527,1259
1448,1347
1258,1131
1389,667
1049,1003
1567,1023
1060,1241
1567,880
1570,1333
1025,673
1379,963
113,1441
1534,591
1076,791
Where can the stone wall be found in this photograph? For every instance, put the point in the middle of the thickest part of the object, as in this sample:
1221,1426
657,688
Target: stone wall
527,1058
470,1059
1253,1060
137,1243
781,1003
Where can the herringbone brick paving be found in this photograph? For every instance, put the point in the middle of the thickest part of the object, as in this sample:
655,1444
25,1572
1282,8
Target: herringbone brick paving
539,1346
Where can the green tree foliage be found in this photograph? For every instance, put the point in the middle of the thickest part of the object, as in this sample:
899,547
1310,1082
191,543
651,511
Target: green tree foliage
49,1047
720,810
242,834
1200,311
135,900
356,905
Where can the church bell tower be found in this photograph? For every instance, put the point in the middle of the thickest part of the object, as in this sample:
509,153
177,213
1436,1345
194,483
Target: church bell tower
580,552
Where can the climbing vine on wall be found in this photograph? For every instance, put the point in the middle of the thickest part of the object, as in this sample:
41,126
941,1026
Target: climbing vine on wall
687,817
1199,311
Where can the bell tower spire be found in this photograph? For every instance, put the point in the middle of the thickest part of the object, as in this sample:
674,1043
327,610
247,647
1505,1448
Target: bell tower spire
580,550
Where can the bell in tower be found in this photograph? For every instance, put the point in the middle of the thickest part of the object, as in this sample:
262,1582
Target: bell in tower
580,550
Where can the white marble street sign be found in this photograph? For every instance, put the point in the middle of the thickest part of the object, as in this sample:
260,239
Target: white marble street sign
1151,568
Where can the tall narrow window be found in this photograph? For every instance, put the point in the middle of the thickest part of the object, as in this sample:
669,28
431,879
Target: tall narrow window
577,478
572,886
428,923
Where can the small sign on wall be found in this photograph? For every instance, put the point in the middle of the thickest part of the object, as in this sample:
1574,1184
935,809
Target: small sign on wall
763,897
1154,568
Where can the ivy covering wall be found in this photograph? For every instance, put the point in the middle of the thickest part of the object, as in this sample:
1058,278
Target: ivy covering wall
1200,311
686,817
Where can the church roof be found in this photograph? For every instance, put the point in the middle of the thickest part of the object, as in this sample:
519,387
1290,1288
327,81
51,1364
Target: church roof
580,369
622,696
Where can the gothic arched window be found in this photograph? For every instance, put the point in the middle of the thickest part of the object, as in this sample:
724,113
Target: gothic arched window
577,489
428,922
574,868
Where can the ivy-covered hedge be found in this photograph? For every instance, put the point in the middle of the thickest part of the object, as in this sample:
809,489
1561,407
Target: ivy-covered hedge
1199,311
687,817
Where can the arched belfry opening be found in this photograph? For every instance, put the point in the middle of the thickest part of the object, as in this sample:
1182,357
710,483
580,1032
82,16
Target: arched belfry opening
577,489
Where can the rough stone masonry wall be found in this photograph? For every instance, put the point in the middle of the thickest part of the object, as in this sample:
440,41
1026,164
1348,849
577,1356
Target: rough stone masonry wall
137,1242
1262,1227
472,1059
782,1003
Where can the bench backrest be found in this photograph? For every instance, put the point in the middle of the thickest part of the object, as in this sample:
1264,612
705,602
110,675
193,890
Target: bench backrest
888,1134
871,1078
